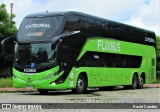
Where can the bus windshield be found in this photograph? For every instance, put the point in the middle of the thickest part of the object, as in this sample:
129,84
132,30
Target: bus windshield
40,27
34,55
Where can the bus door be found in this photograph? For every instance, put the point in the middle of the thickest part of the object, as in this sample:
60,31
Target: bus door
65,60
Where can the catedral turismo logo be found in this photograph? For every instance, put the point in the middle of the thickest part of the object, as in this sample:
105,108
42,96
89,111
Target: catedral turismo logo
41,25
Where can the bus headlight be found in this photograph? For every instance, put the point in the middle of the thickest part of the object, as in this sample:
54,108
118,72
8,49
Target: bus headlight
50,76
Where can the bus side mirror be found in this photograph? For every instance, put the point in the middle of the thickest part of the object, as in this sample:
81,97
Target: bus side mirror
7,45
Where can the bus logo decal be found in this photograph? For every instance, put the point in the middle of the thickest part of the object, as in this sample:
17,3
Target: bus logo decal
109,46
147,39
29,70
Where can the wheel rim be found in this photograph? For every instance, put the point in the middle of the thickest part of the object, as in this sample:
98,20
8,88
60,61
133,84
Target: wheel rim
80,83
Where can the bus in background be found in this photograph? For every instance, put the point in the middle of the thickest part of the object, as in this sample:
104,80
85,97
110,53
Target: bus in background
73,50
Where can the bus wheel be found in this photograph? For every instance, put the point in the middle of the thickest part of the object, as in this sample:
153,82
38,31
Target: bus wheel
81,86
140,82
43,91
134,82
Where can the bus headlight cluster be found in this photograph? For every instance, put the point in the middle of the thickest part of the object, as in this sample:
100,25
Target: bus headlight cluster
50,76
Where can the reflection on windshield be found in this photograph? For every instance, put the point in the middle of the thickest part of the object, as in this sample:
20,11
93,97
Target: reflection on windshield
34,55
40,27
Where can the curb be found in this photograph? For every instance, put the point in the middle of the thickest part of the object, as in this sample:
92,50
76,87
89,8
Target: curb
152,85
16,90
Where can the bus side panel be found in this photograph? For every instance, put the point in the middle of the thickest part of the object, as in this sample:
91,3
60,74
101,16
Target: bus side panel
116,76
106,76
154,60
126,76
94,76
151,65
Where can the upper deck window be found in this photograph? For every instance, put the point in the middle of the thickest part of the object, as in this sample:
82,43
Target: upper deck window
72,23
40,27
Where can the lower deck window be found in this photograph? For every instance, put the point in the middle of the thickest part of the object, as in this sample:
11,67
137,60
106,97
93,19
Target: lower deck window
109,60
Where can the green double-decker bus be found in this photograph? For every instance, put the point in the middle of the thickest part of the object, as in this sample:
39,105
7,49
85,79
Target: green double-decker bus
73,50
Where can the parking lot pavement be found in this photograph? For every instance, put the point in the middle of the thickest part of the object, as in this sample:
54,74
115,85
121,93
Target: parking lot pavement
94,96
12,89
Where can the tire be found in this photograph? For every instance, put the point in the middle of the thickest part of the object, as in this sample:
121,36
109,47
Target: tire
81,86
140,82
134,83
42,91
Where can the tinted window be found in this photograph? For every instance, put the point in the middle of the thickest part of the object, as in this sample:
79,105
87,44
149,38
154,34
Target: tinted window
96,59
100,30
72,23
38,54
40,27
88,25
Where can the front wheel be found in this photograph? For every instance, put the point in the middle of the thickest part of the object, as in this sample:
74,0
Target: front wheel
81,86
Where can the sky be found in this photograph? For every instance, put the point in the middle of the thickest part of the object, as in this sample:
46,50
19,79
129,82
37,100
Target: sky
140,13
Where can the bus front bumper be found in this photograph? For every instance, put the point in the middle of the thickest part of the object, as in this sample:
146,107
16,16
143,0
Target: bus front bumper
40,80
41,84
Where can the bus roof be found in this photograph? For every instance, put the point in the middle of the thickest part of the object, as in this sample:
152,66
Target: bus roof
137,35
65,13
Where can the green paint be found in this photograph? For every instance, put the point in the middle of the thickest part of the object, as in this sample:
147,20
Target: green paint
97,76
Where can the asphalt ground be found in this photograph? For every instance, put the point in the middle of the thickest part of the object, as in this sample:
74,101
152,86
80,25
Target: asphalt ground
149,94
12,89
